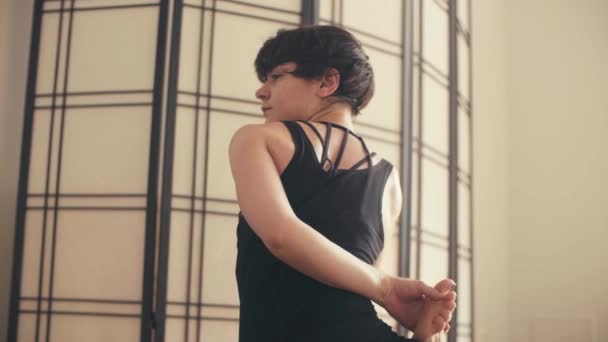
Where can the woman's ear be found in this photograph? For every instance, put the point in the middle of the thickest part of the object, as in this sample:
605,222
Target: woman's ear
329,82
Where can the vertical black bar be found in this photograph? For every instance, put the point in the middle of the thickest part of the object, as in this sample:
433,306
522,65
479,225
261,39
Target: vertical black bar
58,174
471,275
407,63
419,173
194,174
453,156
147,317
167,181
310,12
24,171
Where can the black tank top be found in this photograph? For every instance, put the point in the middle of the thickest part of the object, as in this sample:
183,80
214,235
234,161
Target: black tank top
278,303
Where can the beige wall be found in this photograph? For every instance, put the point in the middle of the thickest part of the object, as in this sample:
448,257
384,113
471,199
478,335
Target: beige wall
490,222
557,86
15,28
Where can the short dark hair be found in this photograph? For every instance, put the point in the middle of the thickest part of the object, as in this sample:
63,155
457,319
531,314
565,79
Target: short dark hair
315,49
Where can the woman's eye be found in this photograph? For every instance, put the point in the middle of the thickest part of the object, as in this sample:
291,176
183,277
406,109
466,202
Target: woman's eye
275,76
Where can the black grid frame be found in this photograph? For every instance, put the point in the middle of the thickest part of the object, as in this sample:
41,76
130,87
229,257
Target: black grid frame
154,289
147,279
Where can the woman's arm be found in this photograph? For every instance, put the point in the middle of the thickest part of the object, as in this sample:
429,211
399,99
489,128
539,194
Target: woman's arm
265,206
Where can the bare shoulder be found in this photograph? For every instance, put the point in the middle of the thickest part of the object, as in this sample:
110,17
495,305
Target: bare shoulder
259,131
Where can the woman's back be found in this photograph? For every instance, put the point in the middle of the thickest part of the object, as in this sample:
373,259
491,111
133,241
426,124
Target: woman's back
326,176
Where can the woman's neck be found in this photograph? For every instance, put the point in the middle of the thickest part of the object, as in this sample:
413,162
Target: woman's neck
338,113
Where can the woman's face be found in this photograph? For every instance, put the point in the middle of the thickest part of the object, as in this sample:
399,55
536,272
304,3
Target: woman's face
287,97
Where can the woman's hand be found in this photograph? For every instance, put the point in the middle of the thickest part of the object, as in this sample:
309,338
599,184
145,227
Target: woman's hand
405,300
435,317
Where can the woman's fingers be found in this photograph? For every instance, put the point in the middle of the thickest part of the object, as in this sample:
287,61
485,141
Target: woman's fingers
438,324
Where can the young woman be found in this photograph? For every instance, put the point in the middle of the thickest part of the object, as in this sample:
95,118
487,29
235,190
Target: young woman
314,202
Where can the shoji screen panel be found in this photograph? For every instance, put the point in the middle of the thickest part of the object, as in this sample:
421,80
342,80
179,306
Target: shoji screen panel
465,267
83,267
379,27
441,235
214,96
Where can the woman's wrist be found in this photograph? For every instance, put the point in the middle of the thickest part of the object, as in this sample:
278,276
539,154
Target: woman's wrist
384,288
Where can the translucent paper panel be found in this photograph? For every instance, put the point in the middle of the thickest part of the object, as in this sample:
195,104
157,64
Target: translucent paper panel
184,258
121,55
106,150
416,102
464,141
464,293
207,330
233,71
83,268
99,255
464,215
80,328
463,13
463,66
327,10
433,263
289,5
435,35
32,247
435,115
97,268
368,16
434,198
385,150
218,286
49,48
219,282
191,57
385,107
415,188
223,127
190,150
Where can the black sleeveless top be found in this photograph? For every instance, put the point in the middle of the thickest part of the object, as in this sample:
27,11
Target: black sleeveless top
277,302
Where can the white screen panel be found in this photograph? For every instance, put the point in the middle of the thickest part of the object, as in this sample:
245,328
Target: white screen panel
435,35
463,13
434,198
435,115
219,282
288,5
464,217
233,71
191,54
185,139
94,329
464,141
224,331
106,150
99,255
463,66
433,264
369,16
121,55
384,109
463,289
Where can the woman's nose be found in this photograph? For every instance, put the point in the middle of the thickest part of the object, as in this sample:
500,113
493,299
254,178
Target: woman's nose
261,93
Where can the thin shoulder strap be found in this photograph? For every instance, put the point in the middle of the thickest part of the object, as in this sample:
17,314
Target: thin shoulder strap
314,129
363,161
326,146
341,151
367,158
